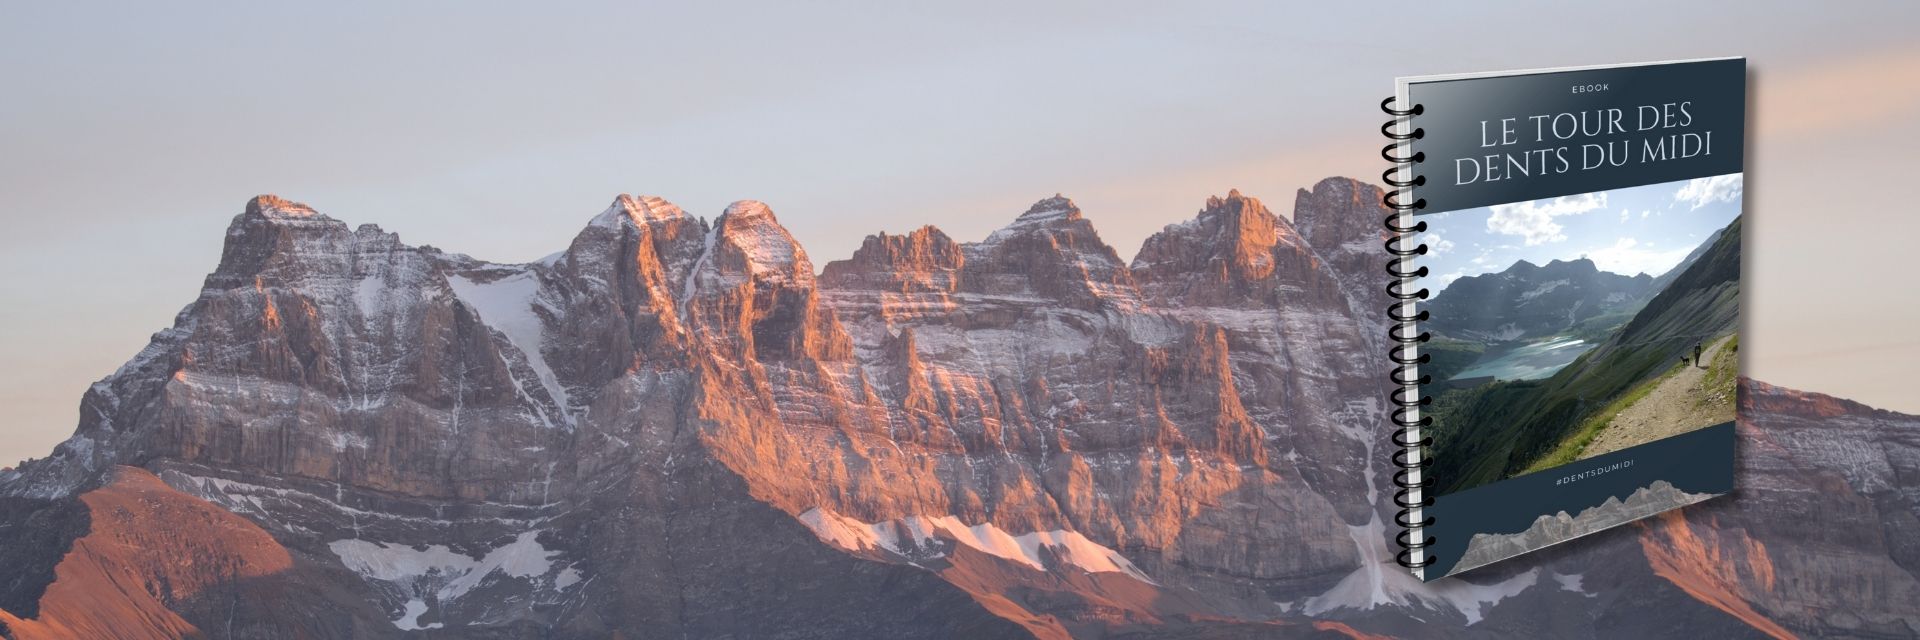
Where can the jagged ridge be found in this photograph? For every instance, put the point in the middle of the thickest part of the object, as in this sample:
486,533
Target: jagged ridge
659,407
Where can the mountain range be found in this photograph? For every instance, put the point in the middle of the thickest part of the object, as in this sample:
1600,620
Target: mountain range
679,427
1528,301
1561,298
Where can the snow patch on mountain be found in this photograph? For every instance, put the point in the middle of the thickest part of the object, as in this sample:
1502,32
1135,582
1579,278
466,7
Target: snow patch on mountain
909,537
507,305
371,295
1544,289
342,441
692,285
1571,582
445,574
410,617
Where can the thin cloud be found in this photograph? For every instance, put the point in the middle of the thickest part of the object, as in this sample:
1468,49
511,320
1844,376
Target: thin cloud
1700,192
1533,220
1629,256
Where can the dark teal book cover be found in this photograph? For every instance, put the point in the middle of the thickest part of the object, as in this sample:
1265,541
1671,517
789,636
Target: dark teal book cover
1568,306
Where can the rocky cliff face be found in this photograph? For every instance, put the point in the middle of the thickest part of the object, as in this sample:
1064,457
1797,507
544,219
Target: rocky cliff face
673,427
1819,540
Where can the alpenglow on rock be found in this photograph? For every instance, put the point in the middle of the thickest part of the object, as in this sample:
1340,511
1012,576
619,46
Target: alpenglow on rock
678,427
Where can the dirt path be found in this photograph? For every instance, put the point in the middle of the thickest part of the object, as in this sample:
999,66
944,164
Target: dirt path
1677,406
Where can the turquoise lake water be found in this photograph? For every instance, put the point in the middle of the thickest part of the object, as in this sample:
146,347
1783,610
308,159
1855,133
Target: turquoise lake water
1528,362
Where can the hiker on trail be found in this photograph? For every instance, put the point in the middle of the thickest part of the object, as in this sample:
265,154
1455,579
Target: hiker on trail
1696,356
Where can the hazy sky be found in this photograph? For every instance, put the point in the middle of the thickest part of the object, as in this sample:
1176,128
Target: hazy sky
1645,229
132,134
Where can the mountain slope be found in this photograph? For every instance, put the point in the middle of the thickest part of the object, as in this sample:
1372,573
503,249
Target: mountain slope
1819,537
157,563
1514,424
1664,279
1695,394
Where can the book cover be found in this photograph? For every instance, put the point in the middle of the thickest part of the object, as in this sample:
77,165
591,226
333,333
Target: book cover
1568,312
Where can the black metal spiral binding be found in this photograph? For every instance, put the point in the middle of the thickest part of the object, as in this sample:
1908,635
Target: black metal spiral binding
1410,458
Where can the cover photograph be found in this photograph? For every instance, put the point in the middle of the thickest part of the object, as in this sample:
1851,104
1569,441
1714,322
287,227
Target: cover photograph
1566,310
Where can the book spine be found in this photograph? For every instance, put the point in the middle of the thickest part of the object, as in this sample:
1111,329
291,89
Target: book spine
1410,445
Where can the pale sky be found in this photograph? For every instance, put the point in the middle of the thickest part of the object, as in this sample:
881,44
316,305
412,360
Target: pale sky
132,134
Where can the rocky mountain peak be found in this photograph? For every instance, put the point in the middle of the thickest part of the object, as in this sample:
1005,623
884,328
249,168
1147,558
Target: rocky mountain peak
1244,222
1230,254
639,210
273,230
643,246
1580,265
1338,208
741,210
1050,250
272,206
1341,218
1233,202
1057,212
1056,206
924,259
749,232
925,242
267,216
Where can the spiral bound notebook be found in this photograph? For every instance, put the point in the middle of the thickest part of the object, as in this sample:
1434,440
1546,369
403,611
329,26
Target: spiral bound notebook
1565,310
